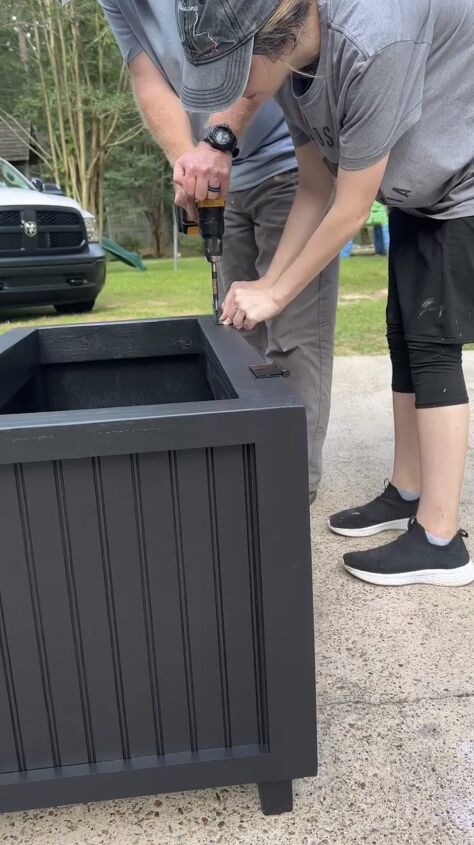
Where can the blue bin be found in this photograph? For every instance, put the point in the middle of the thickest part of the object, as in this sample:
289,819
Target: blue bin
346,252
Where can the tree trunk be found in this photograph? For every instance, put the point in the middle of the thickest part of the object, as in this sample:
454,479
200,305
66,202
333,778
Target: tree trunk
153,216
166,229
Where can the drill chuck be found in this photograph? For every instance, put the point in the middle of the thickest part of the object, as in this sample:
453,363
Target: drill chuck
213,249
211,225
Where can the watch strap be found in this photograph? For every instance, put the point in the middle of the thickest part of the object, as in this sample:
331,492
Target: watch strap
210,139
235,152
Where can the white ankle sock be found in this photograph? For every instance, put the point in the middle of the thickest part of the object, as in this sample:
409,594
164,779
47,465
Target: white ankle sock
436,541
407,495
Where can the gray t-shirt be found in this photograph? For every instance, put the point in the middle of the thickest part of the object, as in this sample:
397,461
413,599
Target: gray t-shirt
398,78
266,148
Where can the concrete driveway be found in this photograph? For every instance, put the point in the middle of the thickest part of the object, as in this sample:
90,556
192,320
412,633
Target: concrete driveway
395,692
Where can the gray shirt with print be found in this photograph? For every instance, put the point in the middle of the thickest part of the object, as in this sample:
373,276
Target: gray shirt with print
266,148
395,78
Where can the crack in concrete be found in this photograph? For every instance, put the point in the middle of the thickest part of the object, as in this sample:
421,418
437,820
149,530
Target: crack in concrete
395,701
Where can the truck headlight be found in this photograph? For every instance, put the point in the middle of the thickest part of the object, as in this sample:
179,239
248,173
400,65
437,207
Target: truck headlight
92,229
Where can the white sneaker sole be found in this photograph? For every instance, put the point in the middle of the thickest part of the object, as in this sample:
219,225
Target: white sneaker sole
394,525
459,577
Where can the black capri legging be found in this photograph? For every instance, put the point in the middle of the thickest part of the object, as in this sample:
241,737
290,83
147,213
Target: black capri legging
430,310
432,371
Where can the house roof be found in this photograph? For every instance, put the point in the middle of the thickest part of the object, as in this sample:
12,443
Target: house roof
16,143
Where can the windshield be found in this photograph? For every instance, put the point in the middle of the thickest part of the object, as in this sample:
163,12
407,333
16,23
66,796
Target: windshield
10,177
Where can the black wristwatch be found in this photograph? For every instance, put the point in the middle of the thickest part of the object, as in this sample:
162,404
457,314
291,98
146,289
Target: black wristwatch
222,138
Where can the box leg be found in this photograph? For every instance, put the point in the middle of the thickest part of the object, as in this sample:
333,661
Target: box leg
276,797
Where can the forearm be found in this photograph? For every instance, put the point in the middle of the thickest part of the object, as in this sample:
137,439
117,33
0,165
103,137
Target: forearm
246,305
161,109
169,126
306,215
337,228
354,195
238,117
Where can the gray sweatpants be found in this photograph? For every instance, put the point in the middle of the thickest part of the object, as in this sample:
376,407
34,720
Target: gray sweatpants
301,338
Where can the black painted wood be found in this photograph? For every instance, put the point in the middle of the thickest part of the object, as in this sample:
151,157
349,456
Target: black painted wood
112,341
128,382
156,619
19,360
276,797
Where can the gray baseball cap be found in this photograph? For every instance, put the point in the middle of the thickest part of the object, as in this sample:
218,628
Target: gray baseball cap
218,40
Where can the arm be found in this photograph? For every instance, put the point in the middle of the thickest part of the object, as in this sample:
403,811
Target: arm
170,126
312,200
238,117
160,108
355,193
166,118
169,123
195,167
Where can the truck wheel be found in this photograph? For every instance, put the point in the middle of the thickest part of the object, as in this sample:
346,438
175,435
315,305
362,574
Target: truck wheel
75,307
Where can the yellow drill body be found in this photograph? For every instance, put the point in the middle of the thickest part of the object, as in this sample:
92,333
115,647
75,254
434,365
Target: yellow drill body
211,225
211,228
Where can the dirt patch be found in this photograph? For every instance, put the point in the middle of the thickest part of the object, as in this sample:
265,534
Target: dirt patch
361,297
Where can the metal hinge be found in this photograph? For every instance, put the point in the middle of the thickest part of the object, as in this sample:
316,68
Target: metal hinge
272,370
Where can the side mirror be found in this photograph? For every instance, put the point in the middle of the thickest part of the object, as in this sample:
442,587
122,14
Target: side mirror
38,183
52,188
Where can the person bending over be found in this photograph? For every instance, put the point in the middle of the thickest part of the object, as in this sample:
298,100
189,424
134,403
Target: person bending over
263,182
368,91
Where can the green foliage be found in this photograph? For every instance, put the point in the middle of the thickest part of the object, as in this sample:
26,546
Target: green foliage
65,75
13,77
77,31
141,170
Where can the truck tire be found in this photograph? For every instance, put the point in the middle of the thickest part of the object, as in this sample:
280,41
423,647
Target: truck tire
75,307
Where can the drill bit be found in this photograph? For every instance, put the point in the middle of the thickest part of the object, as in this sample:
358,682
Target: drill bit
215,291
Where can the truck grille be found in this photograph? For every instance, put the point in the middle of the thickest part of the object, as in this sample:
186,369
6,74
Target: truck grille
60,240
56,218
9,241
30,231
10,218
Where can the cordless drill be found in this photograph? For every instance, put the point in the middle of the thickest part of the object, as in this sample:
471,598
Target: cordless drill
211,228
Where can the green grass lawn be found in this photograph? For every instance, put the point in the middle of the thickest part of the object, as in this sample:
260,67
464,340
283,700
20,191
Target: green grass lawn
160,292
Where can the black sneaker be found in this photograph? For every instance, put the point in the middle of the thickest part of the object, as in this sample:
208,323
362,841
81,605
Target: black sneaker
385,513
412,559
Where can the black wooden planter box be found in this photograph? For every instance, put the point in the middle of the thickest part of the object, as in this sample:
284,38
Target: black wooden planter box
156,627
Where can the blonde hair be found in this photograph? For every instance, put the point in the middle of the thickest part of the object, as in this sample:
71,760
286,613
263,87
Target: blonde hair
279,34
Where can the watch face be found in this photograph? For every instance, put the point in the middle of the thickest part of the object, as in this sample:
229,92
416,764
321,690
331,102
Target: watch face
222,136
